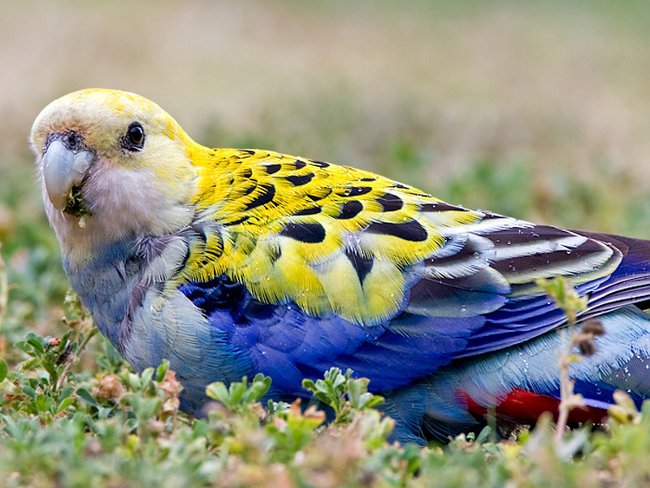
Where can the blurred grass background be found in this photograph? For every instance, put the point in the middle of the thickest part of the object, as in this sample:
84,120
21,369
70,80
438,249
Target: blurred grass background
540,110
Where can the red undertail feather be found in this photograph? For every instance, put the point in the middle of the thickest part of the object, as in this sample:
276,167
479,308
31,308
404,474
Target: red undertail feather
521,406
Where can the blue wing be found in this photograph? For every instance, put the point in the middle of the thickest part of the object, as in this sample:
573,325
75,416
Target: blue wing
445,317
288,345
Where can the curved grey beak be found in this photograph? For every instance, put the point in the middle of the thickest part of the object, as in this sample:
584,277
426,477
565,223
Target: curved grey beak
62,170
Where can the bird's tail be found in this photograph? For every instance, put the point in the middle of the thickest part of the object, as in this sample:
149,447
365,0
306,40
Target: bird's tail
522,382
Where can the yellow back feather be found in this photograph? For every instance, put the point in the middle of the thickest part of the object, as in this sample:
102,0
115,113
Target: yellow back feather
288,225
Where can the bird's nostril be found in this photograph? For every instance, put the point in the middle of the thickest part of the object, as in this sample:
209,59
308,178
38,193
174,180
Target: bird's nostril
72,141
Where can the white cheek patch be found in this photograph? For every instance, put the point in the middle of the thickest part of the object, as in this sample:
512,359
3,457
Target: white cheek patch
134,201
123,203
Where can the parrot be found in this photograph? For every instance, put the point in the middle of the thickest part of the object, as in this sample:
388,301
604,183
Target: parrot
232,262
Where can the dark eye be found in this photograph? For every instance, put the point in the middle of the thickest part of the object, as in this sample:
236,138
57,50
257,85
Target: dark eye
133,140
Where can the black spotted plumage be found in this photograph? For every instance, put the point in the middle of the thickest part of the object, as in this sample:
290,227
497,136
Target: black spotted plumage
409,231
350,210
266,194
390,202
311,233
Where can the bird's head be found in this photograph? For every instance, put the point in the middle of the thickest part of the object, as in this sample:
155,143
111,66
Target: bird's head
112,165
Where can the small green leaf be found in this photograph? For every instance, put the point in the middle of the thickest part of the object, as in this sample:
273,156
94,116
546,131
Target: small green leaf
65,404
86,396
217,391
4,369
146,376
161,370
484,434
36,343
239,395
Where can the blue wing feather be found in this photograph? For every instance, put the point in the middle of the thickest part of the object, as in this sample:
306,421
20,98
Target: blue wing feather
288,344
284,342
